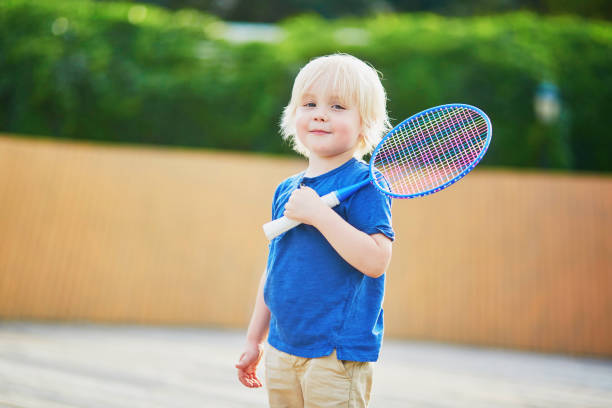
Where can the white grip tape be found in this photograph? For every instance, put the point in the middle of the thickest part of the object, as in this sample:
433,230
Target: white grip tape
274,228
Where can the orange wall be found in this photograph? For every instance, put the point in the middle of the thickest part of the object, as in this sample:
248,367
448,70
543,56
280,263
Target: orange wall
152,235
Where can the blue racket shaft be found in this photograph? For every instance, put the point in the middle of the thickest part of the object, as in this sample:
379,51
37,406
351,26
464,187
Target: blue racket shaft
274,228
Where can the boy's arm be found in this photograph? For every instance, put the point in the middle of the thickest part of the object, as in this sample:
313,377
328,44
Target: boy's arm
256,335
369,254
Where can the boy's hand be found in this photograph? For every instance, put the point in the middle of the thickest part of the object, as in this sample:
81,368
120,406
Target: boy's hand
247,366
304,206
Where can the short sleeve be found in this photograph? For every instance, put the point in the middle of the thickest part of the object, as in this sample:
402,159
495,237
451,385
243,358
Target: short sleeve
281,194
369,211
275,201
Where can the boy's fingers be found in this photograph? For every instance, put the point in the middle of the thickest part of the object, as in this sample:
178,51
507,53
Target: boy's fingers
245,382
248,381
243,378
254,382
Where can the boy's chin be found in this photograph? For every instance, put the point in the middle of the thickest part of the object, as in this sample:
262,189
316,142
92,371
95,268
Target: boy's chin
330,155
325,151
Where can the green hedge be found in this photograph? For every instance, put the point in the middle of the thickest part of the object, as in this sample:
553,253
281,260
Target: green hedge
125,73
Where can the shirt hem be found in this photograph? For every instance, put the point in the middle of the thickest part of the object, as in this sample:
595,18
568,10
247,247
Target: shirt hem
343,353
322,351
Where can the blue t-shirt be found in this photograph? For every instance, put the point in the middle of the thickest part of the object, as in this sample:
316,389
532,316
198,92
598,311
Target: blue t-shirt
318,302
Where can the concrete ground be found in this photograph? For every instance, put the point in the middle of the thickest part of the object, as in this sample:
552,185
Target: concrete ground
86,365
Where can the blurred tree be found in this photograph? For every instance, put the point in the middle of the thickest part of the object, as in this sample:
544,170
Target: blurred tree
275,10
124,72
271,11
601,9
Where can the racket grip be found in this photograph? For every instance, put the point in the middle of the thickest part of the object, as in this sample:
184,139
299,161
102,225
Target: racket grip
274,228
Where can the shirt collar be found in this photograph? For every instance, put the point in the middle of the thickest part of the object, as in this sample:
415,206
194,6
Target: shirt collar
311,180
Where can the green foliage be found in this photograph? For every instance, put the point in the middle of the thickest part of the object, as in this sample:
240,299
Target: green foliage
495,63
130,73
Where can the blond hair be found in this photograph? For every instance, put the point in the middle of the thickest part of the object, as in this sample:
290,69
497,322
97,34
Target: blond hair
354,82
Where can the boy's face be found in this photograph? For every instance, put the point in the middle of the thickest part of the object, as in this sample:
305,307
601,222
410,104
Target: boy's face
325,125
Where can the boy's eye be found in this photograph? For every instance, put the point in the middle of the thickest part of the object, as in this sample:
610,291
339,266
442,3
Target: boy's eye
310,104
338,107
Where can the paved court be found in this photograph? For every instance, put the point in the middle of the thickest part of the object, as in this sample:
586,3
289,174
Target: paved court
84,365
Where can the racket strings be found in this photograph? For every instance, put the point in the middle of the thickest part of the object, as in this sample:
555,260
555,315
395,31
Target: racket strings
431,150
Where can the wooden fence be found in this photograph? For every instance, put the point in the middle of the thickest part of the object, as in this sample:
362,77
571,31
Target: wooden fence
170,236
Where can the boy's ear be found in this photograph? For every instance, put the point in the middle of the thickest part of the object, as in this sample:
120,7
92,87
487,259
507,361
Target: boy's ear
362,141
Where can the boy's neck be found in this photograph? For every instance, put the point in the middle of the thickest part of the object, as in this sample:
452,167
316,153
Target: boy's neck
321,165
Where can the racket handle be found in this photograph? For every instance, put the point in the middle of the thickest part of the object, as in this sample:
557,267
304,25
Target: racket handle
274,228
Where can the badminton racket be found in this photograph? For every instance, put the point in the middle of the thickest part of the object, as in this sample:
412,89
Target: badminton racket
424,154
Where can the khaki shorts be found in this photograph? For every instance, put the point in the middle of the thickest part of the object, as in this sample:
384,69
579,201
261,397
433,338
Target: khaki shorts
295,382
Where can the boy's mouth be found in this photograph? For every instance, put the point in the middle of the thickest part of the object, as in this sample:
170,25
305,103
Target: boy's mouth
319,132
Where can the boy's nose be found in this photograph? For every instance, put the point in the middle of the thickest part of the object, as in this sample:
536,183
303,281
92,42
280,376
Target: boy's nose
320,115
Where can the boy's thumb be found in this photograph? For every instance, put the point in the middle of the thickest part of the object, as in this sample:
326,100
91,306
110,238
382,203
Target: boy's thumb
241,363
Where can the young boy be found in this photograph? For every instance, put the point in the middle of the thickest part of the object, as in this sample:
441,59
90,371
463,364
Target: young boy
321,296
